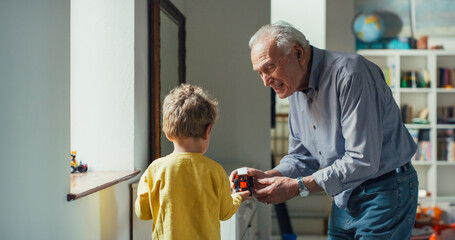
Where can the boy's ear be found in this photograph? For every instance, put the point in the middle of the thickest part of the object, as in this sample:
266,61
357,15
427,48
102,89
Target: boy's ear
207,131
168,138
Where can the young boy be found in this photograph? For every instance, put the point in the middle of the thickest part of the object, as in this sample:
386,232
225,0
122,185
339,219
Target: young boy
185,193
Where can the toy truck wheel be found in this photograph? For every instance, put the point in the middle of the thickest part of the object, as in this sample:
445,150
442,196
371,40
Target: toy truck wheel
82,168
250,185
250,182
236,184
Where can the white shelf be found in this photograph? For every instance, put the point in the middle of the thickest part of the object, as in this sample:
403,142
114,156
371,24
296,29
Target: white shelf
445,126
445,90
445,163
418,126
415,90
434,176
414,52
446,199
421,163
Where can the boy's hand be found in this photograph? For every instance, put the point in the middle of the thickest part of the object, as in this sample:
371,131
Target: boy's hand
245,195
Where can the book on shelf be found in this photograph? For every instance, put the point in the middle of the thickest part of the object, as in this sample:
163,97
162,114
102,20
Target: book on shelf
446,78
423,153
415,79
446,115
446,145
406,113
388,76
414,134
422,139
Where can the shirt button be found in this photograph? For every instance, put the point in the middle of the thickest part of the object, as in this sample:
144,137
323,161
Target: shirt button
314,127
320,153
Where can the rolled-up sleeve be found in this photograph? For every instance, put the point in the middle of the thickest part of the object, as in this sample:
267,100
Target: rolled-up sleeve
142,204
229,203
299,161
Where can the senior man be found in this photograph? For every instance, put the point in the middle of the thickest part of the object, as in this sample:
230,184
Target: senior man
346,137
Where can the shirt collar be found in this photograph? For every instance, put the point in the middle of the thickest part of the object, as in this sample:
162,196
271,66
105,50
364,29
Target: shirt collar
317,56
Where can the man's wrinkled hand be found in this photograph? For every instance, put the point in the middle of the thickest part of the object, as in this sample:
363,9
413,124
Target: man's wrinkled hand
276,190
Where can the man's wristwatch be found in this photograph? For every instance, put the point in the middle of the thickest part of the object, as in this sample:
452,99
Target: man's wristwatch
303,191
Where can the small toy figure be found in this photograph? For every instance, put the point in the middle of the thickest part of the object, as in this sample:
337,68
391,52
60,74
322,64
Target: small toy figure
75,166
242,181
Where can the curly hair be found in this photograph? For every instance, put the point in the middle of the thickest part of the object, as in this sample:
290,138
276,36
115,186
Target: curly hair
188,111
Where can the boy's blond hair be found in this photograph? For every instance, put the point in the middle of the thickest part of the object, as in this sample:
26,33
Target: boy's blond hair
187,112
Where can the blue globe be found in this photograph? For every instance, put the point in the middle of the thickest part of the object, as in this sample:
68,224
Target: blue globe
368,27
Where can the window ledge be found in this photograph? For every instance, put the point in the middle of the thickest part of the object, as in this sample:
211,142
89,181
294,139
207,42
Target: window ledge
83,184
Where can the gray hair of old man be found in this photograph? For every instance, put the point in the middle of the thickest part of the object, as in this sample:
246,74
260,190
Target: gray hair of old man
285,34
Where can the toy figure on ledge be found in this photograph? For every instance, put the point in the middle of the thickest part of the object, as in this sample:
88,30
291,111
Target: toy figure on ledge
75,166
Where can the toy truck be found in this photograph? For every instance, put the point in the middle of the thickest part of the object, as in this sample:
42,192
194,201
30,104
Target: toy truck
242,181
77,166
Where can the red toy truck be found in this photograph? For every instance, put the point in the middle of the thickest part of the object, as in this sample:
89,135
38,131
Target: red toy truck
242,181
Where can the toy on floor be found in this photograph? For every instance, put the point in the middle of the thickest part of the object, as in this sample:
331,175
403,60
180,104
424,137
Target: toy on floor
443,232
75,166
242,181
429,225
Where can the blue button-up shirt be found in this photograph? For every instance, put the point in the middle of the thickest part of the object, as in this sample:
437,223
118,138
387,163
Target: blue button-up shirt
346,128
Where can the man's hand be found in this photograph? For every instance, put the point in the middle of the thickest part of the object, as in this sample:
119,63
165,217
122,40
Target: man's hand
276,189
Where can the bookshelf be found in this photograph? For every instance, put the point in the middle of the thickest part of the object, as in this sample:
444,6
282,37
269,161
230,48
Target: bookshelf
423,85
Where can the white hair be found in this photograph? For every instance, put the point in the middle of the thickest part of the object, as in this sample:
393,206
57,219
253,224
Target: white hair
284,33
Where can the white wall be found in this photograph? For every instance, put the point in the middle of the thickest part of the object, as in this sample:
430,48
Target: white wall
35,129
339,15
102,83
34,93
218,59
308,16
326,23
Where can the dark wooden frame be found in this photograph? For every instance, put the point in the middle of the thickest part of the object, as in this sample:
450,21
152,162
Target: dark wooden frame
176,16
154,8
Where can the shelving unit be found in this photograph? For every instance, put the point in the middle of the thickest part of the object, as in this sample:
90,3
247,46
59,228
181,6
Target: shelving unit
437,176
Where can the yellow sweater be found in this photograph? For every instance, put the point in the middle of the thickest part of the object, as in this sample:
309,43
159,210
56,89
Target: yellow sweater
186,195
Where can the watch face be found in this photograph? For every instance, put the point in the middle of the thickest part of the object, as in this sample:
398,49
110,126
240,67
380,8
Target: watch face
304,192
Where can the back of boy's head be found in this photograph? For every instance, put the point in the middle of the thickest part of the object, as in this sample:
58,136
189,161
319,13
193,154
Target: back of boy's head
187,112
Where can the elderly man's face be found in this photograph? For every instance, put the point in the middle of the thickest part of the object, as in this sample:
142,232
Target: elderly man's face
284,73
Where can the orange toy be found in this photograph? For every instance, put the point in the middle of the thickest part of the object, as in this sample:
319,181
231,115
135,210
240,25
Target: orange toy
443,232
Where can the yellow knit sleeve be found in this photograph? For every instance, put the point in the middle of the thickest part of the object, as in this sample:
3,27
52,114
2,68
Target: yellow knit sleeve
142,204
229,203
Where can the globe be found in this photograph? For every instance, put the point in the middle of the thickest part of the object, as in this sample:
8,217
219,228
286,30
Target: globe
368,27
